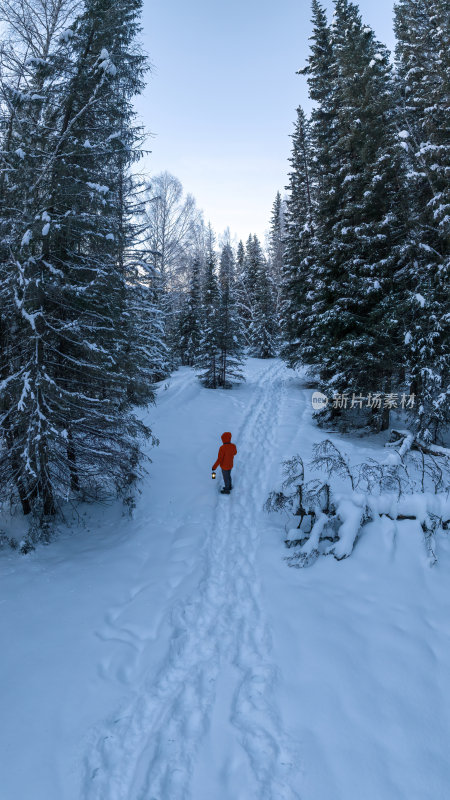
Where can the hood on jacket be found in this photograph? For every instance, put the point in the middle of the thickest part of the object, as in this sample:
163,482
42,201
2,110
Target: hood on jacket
226,438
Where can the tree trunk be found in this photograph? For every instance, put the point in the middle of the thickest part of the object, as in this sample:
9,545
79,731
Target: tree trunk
385,418
18,479
380,419
71,456
46,492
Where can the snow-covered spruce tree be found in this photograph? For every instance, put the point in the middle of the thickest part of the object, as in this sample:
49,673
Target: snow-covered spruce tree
243,299
144,356
322,134
357,335
263,328
256,297
65,414
230,339
191,317
208,360
240,258
422,61
276,246
21,284
299,277
312,205
28,39
247,270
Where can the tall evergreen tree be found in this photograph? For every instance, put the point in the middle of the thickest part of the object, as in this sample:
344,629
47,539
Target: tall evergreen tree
229,326
263,326
243,300
240,257
276,246
191,318
322,75
298,276
422,60
252,260
65,415
313,204
208,359
356,335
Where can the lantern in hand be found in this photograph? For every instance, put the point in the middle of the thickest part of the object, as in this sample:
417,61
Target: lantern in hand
213,475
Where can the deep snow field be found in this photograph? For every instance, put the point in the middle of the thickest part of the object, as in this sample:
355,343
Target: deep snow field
176,656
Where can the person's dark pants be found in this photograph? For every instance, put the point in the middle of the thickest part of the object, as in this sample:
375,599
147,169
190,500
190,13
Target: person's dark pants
227,478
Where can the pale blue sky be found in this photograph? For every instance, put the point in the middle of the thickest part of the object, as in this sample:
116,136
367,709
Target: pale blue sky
222,97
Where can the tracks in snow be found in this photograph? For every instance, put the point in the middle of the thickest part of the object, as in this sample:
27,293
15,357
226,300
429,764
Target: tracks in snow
149,751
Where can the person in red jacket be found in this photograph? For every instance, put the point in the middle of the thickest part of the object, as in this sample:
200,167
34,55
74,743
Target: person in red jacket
225,458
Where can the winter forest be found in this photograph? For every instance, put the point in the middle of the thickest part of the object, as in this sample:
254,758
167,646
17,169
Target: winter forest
129,327
110,279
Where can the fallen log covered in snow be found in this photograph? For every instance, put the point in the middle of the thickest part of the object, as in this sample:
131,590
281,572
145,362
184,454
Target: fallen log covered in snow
406,440
335,532
330,522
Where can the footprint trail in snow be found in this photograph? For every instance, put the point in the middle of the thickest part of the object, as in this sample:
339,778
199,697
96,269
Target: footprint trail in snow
149,749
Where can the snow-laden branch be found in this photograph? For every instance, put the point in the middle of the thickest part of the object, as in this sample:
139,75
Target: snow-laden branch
331,520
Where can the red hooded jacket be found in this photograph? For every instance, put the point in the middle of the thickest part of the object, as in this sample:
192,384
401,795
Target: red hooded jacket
227,453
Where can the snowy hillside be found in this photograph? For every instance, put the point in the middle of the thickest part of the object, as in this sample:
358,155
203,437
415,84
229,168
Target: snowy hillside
176,655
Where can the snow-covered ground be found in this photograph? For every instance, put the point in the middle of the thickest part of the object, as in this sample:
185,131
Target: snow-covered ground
176,656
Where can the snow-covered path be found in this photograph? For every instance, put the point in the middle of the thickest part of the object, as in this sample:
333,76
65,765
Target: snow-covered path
152,750
175,656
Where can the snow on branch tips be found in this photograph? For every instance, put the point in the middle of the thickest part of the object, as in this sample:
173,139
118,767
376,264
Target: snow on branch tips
106,64
332,513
